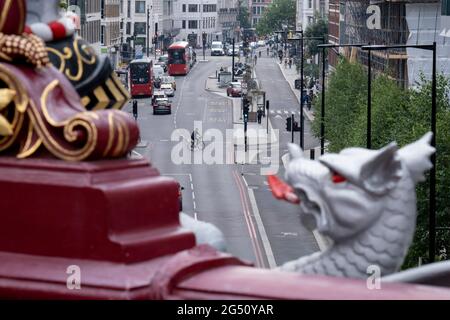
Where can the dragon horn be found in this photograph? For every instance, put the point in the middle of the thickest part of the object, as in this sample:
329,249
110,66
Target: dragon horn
281,190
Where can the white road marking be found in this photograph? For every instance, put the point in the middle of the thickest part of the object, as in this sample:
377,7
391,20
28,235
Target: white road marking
262,231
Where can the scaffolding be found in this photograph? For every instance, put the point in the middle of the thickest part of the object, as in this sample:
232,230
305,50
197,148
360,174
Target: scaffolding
394,30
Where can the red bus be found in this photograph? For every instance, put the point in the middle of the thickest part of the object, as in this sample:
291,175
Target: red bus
180,58
141,78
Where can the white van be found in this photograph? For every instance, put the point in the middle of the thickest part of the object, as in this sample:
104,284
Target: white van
217,49
158,71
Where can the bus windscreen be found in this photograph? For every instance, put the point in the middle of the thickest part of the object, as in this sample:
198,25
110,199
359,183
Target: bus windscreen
139,73
176,56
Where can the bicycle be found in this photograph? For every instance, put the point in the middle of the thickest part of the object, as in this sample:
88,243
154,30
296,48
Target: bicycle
197,145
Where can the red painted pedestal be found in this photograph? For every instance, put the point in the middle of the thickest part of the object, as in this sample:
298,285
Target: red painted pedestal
118,221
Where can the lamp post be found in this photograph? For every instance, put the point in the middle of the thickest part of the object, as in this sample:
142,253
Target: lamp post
302,82
322,118
432,195
232,61
148,31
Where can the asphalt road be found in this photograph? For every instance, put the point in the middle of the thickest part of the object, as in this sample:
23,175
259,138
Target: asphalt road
236,198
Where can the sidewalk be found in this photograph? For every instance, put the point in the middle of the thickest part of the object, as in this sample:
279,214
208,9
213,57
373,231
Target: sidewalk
291,75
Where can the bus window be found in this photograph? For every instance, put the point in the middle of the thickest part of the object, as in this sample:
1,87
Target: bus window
139,73
177,57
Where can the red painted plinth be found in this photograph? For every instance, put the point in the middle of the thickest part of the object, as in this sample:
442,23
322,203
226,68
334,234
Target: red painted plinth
120,211
117,223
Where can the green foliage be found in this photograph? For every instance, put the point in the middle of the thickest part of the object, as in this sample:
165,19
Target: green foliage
244,16
397,115
317,29
63,4
277,14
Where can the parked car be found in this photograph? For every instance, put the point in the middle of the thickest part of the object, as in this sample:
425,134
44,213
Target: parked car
261,43
217,49
234,89
168,89
234,52
162,106
171,80
163,61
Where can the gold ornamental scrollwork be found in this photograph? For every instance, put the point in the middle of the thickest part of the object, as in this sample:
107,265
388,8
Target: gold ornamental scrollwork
83,56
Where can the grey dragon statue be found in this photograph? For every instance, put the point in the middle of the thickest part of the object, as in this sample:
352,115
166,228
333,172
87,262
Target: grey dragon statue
363,200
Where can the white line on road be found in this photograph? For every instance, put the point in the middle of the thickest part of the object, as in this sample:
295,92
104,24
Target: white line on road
262,231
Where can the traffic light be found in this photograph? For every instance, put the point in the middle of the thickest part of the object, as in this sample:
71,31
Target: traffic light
246,108
204,38
289,124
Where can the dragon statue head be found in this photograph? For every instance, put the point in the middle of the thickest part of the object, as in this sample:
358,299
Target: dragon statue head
363,200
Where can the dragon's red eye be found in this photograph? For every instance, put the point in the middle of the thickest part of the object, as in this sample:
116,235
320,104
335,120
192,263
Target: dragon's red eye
337,178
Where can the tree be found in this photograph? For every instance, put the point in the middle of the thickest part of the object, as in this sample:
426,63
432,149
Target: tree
277,14
244,16
63,4
397,115
317,29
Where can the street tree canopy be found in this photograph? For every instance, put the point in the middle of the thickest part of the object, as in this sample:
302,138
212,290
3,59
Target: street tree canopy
244,16
317,29
277,14
397,115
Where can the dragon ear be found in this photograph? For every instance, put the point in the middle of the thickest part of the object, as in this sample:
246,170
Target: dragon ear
295,151
382,170
417,155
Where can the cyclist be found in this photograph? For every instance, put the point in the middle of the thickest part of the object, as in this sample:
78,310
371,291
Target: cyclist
195,136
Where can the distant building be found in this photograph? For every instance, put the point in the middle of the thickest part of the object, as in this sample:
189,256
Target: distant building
401,22
228,11
307,10
256,10
196,17
110,36
90,21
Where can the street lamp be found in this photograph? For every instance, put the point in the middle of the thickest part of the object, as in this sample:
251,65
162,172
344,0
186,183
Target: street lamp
302,83
432,200
322,122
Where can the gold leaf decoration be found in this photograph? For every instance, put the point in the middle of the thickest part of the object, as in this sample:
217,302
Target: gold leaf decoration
6,96
5,127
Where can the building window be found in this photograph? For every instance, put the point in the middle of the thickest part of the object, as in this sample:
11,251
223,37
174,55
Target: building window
446,7
140,7
128,28
193,8
209,8
184,8
193,24
139,28
183,23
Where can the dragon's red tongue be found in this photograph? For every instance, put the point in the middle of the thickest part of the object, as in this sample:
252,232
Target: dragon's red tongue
281,190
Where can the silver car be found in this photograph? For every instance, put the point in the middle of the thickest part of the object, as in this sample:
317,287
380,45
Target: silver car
168,89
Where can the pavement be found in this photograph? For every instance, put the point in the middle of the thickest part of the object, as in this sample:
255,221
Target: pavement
291,74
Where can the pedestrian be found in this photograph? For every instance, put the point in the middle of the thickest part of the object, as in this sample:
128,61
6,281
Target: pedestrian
290,63
268,51
256,59
135,109
260,114
285,63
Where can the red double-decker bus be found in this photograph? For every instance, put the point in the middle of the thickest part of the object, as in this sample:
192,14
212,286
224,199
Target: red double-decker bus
141,78
180,58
